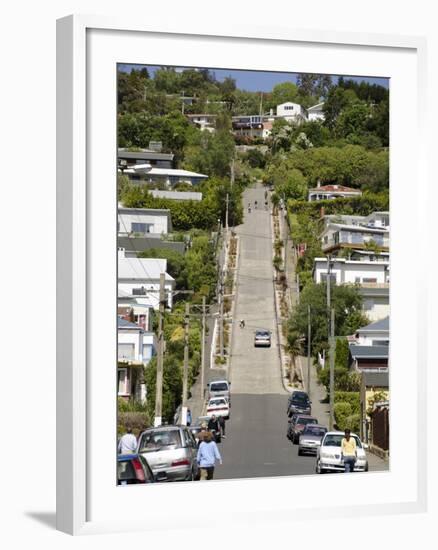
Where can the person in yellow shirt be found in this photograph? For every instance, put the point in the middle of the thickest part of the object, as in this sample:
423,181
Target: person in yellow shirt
348,451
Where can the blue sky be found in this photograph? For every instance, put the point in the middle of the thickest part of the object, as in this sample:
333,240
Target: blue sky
259,81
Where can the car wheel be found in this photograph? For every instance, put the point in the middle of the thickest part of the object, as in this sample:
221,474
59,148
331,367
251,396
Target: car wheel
318,468
300,452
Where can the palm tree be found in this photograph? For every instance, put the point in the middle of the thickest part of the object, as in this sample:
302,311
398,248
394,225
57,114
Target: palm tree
294,347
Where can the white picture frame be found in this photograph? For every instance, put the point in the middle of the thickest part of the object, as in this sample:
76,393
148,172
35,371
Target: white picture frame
87,499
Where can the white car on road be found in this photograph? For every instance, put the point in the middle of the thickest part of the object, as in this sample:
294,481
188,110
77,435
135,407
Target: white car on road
328,455
219,406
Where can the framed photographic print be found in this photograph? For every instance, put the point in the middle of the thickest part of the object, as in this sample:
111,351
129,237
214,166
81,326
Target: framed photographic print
239,217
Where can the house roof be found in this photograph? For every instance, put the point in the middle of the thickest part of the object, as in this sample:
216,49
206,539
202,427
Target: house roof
174,172
317,107
145,211
335,188
124,324
176,195
376,379
143,269
380,325
144,154
368,352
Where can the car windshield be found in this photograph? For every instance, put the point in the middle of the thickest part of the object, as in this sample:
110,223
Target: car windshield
334,440
262,333
219,386
313,430
301,420
155,440
214,402
300,399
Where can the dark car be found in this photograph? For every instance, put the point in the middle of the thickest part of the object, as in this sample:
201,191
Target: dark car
297,425
133,469
299,403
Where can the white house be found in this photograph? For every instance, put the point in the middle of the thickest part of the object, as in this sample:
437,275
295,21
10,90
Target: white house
344,271
140,278
135,347
166,176
204,121
374,334
375,301
143,221
337,236
292,112
326,192
316,112
375,219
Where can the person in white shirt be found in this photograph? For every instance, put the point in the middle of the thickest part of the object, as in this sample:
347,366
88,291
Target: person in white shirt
127,443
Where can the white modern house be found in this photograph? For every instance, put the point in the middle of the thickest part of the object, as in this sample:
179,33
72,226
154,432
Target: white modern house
369,352
167,176
316,112
327,192
292,112
135,348
140,278
204,121
143,221
337,236
344,271
129,159
375,219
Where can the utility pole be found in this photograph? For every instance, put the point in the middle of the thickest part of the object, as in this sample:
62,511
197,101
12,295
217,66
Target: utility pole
203,348
328,283
227,200
160,352
221,315
298,288
309,335
186,366
332,370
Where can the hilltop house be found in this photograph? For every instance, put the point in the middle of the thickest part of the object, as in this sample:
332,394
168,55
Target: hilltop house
338,236
369,351
157,159
332,191
203,121
291,112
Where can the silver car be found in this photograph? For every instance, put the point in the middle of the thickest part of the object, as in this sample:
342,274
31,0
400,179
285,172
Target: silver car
310,439
171,452
262,338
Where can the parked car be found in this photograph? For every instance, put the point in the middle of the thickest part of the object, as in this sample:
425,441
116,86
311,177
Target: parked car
133,469
310,439
299,402
297,425
262,338
170,451
218,406
219,388
328,455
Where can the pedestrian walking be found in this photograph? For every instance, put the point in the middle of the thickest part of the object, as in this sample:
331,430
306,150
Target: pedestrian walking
249,208
242,323
348,451
189,417
127,443
222,426
208,455
213,424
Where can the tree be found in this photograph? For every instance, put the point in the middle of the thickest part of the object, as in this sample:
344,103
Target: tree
281,93
316,85
294,348
337,100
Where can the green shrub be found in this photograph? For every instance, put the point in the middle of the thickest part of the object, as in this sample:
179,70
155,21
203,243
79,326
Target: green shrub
136,421
350,397
342,411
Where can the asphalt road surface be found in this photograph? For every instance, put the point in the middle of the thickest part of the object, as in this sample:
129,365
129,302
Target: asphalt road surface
256,444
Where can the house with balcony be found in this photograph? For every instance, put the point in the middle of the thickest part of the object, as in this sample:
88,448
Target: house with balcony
332,191
291,112
338,236
168,177
135,348
141,229
250,126
157,159
176,195
139,278
375,219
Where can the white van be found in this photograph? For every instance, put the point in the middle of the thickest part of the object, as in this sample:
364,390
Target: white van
219,388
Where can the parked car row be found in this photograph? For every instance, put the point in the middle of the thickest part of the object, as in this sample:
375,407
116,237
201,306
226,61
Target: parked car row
313,438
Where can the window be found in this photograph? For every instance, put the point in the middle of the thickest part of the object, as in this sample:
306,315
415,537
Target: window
139,291
369,280
123,382
141,227
126,351
368,305
357,279
332,278
380,342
